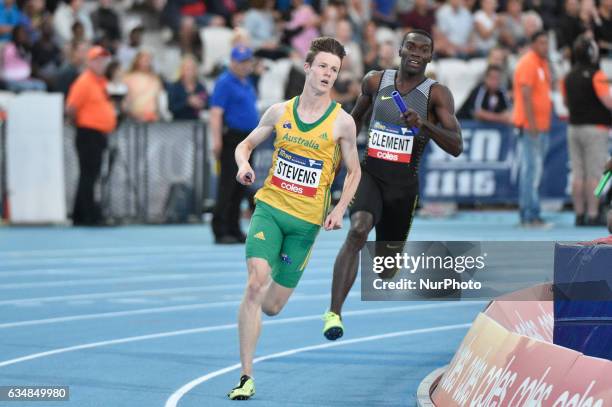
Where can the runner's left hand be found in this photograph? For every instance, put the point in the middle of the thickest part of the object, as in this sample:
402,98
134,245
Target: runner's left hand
334,219
412,119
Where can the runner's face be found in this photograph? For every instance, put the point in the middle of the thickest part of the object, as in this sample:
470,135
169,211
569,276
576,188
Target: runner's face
415,53
323,71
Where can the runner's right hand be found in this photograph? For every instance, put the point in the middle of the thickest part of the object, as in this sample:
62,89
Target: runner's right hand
246,175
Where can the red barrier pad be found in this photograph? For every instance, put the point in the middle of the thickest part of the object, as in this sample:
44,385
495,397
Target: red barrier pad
494,366
534,319
587,384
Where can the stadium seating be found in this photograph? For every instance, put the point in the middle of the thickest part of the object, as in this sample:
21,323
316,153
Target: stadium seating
217,43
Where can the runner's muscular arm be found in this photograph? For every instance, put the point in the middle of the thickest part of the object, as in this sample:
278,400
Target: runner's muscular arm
447,131
364,103
246,175
346,137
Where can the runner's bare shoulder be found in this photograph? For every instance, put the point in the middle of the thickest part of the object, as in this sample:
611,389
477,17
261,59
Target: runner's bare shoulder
345,124
274,113
371,82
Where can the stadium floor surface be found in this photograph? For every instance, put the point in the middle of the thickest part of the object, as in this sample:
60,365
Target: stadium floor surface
145,316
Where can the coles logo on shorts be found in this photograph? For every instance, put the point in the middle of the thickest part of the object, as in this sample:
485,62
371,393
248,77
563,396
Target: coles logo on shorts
297,174
390,142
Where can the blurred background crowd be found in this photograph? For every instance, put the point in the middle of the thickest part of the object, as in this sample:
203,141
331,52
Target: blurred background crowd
163,58
159,45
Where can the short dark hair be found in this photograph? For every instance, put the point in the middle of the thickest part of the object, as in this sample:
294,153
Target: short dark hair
421,32
538,34
584,51
325,44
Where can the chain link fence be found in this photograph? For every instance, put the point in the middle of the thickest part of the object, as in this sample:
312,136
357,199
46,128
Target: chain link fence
152,172
3,176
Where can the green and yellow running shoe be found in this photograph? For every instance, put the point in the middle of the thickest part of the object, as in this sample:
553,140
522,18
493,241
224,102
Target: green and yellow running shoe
244,390
333,328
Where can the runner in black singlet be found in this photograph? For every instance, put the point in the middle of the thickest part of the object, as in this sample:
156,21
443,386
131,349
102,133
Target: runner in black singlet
388,191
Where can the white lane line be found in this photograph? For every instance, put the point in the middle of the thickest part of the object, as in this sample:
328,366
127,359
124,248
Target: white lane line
99,250
89,270
177,395
114,294
131,257
146,311
205,247
100,281
212,329
141,265
205,274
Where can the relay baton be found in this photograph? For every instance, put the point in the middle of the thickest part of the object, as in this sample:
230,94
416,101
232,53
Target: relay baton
399,102
602,183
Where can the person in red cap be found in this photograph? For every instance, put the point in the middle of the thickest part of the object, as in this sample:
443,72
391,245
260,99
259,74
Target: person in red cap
90,108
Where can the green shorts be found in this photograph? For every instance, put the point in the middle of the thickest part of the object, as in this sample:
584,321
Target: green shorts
283,240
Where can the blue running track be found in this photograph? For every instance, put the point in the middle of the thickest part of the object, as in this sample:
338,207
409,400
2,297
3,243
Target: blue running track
146,316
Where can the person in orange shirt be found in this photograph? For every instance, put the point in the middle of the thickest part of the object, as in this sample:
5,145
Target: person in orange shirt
532,118
90,108
586,93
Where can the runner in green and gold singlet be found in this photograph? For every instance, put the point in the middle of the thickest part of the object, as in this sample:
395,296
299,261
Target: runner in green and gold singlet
312,134
304,164
296,193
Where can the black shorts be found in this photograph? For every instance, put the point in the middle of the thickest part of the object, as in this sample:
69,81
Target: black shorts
392,207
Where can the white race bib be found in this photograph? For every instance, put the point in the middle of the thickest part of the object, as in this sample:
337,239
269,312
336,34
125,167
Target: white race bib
297,174
390,142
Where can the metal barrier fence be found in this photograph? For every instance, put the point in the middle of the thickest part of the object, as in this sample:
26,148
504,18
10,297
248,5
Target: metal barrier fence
3,177
152,173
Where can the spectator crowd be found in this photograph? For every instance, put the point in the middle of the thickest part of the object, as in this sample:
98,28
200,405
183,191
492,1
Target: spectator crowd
44,46
43,42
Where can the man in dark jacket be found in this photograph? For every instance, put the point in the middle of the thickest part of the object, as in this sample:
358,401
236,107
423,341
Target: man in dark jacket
488,101
587,95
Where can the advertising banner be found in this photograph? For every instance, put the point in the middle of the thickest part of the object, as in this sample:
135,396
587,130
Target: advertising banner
488,169
495,367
